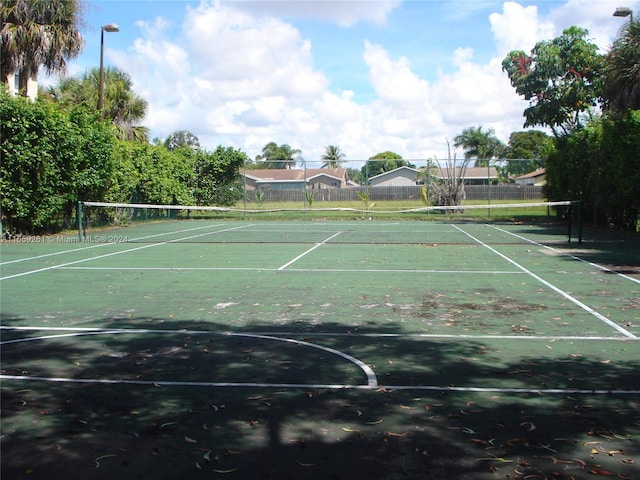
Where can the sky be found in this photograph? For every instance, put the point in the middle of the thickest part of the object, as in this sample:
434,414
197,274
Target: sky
366,75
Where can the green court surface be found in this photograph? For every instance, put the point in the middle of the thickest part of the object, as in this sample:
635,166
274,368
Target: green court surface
321,349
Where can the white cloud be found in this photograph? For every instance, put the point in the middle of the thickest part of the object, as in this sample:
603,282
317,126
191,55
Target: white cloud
519,28
237,76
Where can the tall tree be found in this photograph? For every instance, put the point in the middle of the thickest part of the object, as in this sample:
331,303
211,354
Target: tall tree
38,33
216,180
51,158
622,71
383,162
274,156
561,79
481,145
182,138
526,152
121,104
332,156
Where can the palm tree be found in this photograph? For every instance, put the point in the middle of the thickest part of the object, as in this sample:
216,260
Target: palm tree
35,33
332,157
121,105
622,70
282,157
481,145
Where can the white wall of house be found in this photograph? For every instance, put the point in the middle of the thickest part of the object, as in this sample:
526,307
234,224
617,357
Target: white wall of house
400,177
12,81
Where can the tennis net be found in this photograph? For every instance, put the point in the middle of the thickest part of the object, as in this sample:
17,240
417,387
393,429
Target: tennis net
542,222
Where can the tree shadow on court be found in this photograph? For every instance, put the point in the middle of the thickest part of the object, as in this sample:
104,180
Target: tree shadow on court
453,431
617,251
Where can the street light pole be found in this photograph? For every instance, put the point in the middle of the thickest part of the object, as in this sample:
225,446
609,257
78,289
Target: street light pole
624,12
109,27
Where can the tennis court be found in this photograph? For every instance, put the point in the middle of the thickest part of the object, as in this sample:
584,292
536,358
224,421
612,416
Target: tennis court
321,348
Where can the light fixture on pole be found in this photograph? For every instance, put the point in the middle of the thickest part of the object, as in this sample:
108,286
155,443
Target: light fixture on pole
109,27
624,12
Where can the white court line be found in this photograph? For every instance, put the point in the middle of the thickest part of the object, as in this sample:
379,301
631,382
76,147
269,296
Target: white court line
574,257
309,251
99,330
566,295
372,383
102,244
52,267
316,270
330,386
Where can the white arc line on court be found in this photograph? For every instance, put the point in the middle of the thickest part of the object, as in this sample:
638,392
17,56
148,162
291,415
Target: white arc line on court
572,299
309,251
53,267
372,380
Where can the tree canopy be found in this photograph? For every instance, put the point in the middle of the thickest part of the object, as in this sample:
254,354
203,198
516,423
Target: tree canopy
38,33
122,106
180,139
561,78
526,151
278,156
332,156
481,145
383,162
622,71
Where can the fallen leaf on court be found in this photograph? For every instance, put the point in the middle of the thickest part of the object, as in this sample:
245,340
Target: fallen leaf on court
529,425
189,440
611,453
557,460
494,459
167,424
376,422
99,459
391,434
599,471
225,471
306,464
346,429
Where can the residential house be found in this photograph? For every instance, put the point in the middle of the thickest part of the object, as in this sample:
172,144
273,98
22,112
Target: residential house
398,177
536,178
406,176
13,82
296,179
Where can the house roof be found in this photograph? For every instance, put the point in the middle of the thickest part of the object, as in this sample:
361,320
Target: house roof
534,174
412,171
471,173
294,174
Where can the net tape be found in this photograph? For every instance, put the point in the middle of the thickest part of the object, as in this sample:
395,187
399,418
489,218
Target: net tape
425,209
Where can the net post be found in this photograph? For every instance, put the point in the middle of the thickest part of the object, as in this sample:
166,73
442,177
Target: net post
570,217
79,218
579,219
